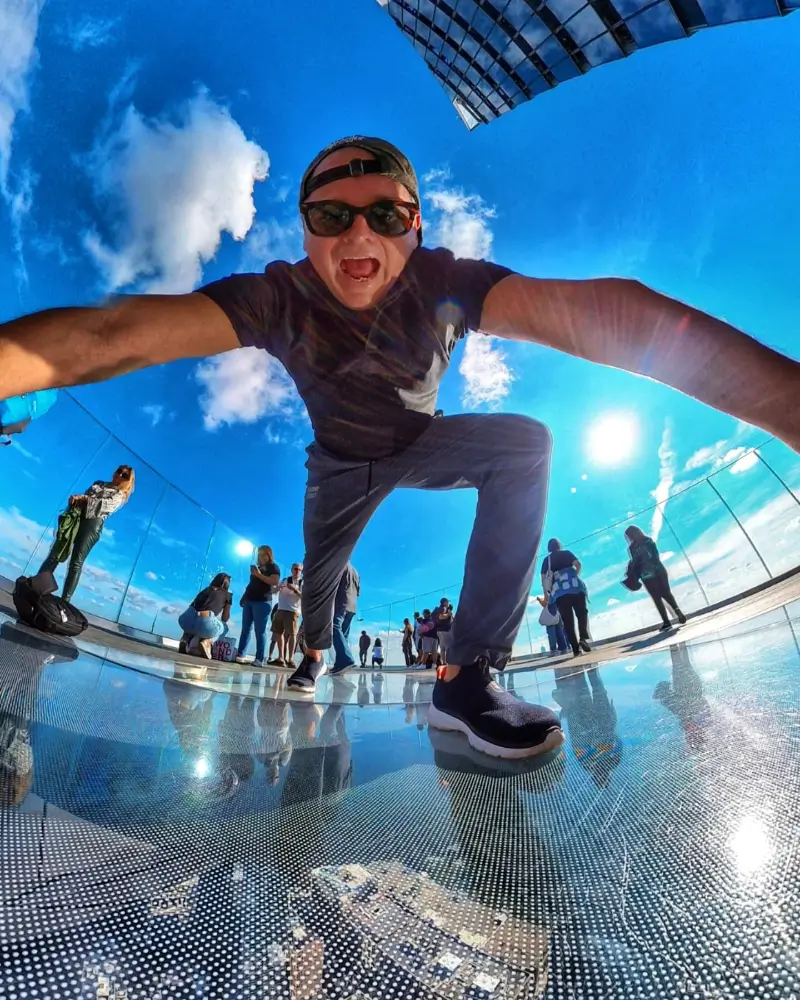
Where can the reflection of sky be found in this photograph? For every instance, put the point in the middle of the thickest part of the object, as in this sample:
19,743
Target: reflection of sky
695,822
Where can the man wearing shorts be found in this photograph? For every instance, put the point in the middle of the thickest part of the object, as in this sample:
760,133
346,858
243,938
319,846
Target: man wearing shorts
287,617
366,326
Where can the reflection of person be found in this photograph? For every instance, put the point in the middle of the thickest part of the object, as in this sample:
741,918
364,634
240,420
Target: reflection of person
344,611
561,582
94,507
591,721
256,604
206,618
684,696
23,656
189,709
274,741
645,565
374,313
237,739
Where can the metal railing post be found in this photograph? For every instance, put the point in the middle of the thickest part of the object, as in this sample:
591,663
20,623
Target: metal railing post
139,551
786,486
686,557
741,527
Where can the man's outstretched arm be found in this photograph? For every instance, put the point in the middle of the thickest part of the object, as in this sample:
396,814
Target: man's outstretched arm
624,324
62,347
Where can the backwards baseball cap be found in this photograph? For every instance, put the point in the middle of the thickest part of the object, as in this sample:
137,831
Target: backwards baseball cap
389,162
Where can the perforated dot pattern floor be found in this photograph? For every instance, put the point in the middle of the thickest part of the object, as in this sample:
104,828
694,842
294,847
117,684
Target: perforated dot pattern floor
160,841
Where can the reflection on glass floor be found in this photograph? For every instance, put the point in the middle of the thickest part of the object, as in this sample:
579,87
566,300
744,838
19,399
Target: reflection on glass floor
164,840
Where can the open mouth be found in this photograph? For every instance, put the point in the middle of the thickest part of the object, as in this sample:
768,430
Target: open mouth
359,268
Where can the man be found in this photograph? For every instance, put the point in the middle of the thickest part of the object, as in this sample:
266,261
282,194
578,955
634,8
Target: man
344,610
287,617
364,642
366,326
418,636
429,643
443,621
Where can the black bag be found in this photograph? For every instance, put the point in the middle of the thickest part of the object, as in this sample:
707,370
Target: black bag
40,608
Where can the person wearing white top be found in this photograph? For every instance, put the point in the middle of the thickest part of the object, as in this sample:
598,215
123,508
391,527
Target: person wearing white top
287,617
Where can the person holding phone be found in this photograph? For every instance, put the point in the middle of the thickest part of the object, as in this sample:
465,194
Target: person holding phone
256,604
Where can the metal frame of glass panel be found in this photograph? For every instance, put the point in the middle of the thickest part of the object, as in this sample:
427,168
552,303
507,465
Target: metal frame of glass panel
464,42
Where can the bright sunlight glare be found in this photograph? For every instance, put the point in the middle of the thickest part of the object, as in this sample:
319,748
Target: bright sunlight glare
243,547
612,438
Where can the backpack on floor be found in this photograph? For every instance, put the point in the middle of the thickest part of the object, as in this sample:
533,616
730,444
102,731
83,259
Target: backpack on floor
40,608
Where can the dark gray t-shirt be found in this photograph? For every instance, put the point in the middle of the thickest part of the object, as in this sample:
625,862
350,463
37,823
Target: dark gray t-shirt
369,378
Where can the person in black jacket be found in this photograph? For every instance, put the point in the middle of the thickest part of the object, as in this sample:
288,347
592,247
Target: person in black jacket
206,618
645,565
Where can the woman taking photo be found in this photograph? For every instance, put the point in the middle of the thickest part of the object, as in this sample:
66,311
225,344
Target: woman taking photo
645,565
206,618
92,509
256,604
561,583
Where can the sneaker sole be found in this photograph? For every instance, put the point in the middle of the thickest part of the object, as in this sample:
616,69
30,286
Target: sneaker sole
441,720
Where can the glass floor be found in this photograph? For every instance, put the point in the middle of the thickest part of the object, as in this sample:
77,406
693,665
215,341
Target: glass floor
161,839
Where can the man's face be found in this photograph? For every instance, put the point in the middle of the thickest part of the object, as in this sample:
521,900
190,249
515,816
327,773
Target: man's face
358,267
296,570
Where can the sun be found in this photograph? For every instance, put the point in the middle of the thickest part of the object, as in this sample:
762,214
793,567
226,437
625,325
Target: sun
243,547
612,438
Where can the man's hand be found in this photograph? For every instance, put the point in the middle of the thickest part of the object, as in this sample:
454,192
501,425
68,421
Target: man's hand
61,347
626,325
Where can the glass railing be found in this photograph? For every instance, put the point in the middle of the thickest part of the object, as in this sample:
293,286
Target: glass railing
730,531
153,556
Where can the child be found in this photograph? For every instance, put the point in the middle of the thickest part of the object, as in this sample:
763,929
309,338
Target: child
377,654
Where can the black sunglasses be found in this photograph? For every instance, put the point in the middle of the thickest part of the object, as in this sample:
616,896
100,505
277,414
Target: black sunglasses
386,218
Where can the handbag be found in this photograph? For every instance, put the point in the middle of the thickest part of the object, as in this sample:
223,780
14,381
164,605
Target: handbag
548,618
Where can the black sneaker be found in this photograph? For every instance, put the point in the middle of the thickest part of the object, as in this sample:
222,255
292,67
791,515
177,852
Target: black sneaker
585,646
493,720
336,669
681,616
666,627
304,679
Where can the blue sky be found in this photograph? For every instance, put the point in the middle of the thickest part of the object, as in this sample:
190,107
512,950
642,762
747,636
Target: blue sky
142,141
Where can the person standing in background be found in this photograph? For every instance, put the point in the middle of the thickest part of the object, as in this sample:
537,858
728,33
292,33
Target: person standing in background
256,604
443,622
561,582
287,617
418,636
408,642
645,565
363,647
95,505
344,611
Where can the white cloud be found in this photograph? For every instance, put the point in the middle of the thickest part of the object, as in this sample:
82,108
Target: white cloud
150,575
487,377
155,411
174,184
462,223
705,456
90,32
244,385
666,477
19,23
742,460
666,556
271,240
